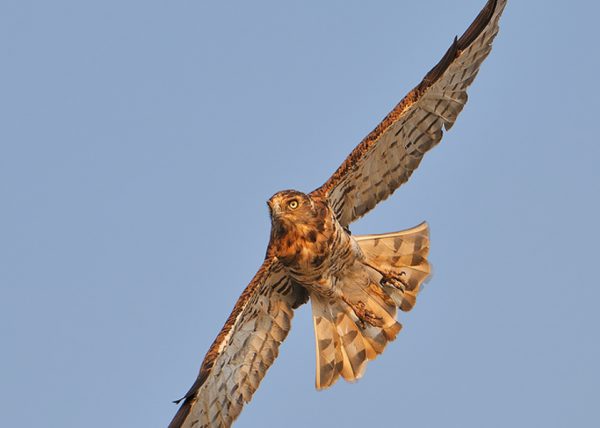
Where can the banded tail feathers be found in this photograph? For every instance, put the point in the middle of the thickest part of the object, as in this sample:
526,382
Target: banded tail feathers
401,253
353,330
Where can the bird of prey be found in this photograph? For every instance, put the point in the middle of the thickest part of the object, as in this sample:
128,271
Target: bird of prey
355,283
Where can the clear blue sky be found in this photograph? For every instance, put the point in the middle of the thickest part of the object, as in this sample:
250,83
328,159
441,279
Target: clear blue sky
139,141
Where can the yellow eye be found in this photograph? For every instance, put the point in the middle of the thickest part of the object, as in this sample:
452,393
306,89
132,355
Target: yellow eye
293,204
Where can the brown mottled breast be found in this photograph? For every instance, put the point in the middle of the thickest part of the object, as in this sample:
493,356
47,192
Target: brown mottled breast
304,241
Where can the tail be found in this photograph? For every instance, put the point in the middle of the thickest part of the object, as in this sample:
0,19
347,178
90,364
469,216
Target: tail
355,328
403,253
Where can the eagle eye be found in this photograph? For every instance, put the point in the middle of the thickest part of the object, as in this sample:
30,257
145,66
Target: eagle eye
293,204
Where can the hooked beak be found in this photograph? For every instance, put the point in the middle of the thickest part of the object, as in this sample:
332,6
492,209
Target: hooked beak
273,208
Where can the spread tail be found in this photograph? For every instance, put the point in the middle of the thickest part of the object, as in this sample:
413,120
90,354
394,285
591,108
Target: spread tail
403,254
356,326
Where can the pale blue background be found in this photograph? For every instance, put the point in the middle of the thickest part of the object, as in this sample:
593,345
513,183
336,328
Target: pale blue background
139,141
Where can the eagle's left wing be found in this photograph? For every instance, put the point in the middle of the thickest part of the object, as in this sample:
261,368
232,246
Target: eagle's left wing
390,153
243,351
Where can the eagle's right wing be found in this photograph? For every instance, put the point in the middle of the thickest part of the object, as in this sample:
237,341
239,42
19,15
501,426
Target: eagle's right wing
390,153
243,351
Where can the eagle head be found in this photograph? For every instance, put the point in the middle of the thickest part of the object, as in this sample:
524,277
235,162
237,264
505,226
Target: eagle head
290,206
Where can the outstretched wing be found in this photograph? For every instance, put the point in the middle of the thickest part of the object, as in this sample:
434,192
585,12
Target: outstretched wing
390,153
243,351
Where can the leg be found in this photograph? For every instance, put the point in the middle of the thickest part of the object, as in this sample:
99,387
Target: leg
363,314
390,278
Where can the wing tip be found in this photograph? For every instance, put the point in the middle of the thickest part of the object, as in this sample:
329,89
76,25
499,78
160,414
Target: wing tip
479,24
182,414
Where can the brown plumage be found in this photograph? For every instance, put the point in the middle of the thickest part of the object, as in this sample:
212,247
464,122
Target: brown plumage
355,283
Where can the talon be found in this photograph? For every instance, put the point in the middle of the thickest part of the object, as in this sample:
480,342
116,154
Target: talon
391,278
395,280
364,315
361,323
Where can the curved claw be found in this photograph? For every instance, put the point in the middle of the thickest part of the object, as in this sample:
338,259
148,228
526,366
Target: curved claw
364,315
394,279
